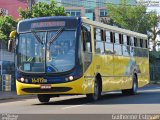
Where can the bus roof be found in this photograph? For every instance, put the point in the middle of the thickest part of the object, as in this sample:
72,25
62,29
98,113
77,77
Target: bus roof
85,20
48,18
115,29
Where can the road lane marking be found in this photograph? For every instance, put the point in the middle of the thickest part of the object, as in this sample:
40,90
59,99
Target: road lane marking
72,107
146,91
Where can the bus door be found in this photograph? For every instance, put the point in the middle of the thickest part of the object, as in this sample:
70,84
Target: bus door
99,51
86,56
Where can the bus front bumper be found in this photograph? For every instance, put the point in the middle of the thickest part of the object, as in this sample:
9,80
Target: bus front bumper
73,87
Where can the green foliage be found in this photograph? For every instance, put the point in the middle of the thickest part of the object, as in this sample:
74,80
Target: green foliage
153,31
2,36
130,17
152,57
42,9
7,24
135,18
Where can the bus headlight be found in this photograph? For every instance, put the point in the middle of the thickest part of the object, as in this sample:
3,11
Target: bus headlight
70,78
26,80
22,79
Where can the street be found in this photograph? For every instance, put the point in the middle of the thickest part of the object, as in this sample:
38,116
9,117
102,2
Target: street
146,101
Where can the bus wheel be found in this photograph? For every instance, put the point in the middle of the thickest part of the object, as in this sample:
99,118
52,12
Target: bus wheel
43,98
134,88
97,92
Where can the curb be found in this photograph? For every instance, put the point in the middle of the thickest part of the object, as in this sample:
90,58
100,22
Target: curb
16,98
7,96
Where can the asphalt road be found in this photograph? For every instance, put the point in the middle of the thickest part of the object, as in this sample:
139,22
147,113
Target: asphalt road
147,101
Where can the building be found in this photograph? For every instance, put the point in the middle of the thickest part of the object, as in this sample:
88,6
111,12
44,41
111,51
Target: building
87,7
92,9
101,10
6,68
7,72
10,7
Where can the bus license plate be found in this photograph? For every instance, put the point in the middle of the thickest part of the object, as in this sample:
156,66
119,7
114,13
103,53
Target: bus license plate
45,86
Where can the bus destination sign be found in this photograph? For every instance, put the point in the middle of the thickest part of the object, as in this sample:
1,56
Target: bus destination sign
48,24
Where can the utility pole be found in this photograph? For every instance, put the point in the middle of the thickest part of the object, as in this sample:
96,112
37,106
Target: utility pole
30,4
1,60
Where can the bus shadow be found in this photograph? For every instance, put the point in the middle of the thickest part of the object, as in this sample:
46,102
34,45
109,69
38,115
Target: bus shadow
140,98
71,101
116,98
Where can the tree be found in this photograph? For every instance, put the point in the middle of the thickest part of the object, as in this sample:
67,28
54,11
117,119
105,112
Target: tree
134,18
42,9
154,31
7,24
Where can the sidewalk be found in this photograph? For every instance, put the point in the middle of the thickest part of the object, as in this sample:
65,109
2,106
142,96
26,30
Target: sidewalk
12,95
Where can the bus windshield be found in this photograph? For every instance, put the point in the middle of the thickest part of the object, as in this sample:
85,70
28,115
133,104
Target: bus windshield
47,51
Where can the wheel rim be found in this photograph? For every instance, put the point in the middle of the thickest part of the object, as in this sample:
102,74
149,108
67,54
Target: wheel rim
96,91
135,85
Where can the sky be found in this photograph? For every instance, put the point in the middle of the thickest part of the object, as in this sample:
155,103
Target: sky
152,5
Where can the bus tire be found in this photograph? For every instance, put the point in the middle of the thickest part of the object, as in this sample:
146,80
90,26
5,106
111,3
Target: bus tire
97,91
134,88
43,98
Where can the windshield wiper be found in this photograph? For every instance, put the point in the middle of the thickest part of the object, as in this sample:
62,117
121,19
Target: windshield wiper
56,36
37,37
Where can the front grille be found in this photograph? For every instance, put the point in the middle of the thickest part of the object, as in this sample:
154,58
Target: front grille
53,89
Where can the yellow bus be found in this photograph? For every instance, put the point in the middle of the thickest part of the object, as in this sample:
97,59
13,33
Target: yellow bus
76,56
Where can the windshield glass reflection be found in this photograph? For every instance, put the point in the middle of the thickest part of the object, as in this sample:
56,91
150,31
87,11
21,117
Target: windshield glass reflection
34,49
61,53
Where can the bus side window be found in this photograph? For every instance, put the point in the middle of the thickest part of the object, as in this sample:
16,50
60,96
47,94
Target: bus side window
83,33
146,46
128,40
99,40
135,42
132,41
124,39
126,46
117,45
138,42
144,43
137,49
117,38
120,38
132,46
108,43
141,43
86,38
87,47
112,37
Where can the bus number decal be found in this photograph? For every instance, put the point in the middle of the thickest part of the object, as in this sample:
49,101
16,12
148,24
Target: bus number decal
39,80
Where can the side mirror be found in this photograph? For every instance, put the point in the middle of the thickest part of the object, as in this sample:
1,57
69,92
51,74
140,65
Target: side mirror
10,45
11,42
